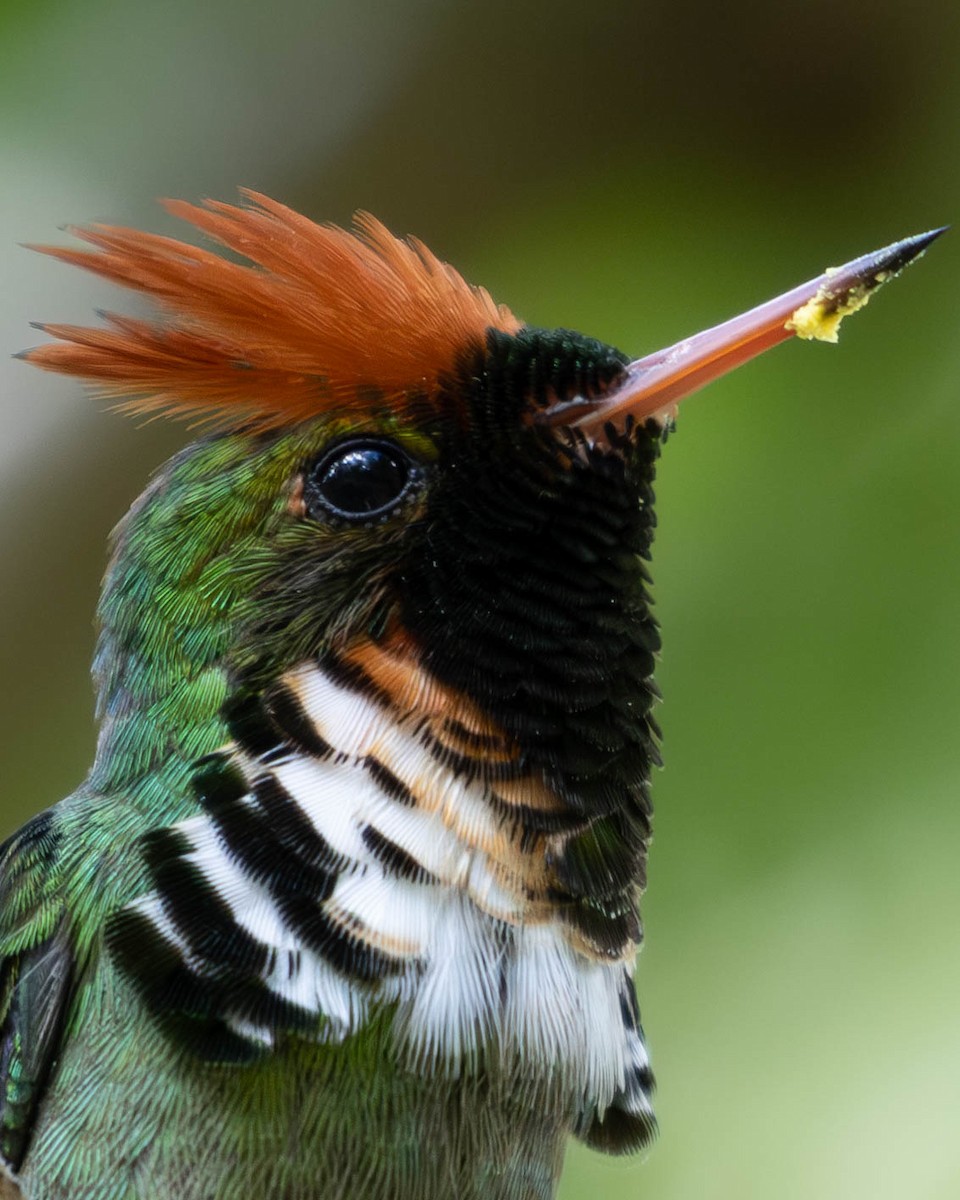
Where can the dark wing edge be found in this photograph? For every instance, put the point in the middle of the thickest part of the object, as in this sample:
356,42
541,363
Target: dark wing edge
37,970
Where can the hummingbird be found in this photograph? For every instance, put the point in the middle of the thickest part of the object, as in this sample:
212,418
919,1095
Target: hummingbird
348,902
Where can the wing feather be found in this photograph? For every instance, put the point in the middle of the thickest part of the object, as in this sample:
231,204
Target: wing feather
37,970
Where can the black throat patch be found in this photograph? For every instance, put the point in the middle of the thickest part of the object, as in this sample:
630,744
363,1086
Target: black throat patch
527,588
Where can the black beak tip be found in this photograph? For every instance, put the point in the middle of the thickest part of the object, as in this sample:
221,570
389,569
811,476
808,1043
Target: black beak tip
900,253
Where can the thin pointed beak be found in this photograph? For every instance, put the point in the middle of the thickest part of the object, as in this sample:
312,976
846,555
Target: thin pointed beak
654,385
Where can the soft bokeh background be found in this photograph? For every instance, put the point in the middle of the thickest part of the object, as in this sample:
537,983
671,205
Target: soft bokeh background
636,170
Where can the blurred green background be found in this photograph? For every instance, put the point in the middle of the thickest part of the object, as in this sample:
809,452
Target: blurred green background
637,171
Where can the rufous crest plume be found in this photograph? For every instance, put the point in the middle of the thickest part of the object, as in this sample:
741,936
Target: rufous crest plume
316,318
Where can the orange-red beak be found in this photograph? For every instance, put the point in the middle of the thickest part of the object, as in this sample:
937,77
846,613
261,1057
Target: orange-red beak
653,385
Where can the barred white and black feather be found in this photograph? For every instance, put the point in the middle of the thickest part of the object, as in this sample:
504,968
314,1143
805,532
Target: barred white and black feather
345,863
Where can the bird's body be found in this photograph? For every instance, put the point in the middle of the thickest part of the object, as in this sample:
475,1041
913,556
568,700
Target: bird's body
308,1121
348,903
423,1080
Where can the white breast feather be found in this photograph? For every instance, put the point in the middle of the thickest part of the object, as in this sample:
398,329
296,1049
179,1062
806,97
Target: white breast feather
479,975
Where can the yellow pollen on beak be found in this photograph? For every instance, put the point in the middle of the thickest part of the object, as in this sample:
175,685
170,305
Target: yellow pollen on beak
819,319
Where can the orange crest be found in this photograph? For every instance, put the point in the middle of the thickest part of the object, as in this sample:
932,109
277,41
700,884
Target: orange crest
321,318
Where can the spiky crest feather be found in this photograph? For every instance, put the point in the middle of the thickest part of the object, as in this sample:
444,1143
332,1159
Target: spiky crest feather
322,320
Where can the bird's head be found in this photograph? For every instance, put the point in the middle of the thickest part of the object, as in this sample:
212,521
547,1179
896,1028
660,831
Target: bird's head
446,509
390,480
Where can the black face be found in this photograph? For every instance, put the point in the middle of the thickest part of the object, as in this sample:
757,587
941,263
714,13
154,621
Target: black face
524,581
359,480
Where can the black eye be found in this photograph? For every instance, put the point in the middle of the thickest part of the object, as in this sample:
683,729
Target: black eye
359,479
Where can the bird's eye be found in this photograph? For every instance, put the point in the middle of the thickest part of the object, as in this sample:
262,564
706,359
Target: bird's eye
359,479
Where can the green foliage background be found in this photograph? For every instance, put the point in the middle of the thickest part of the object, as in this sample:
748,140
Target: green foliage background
637,171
